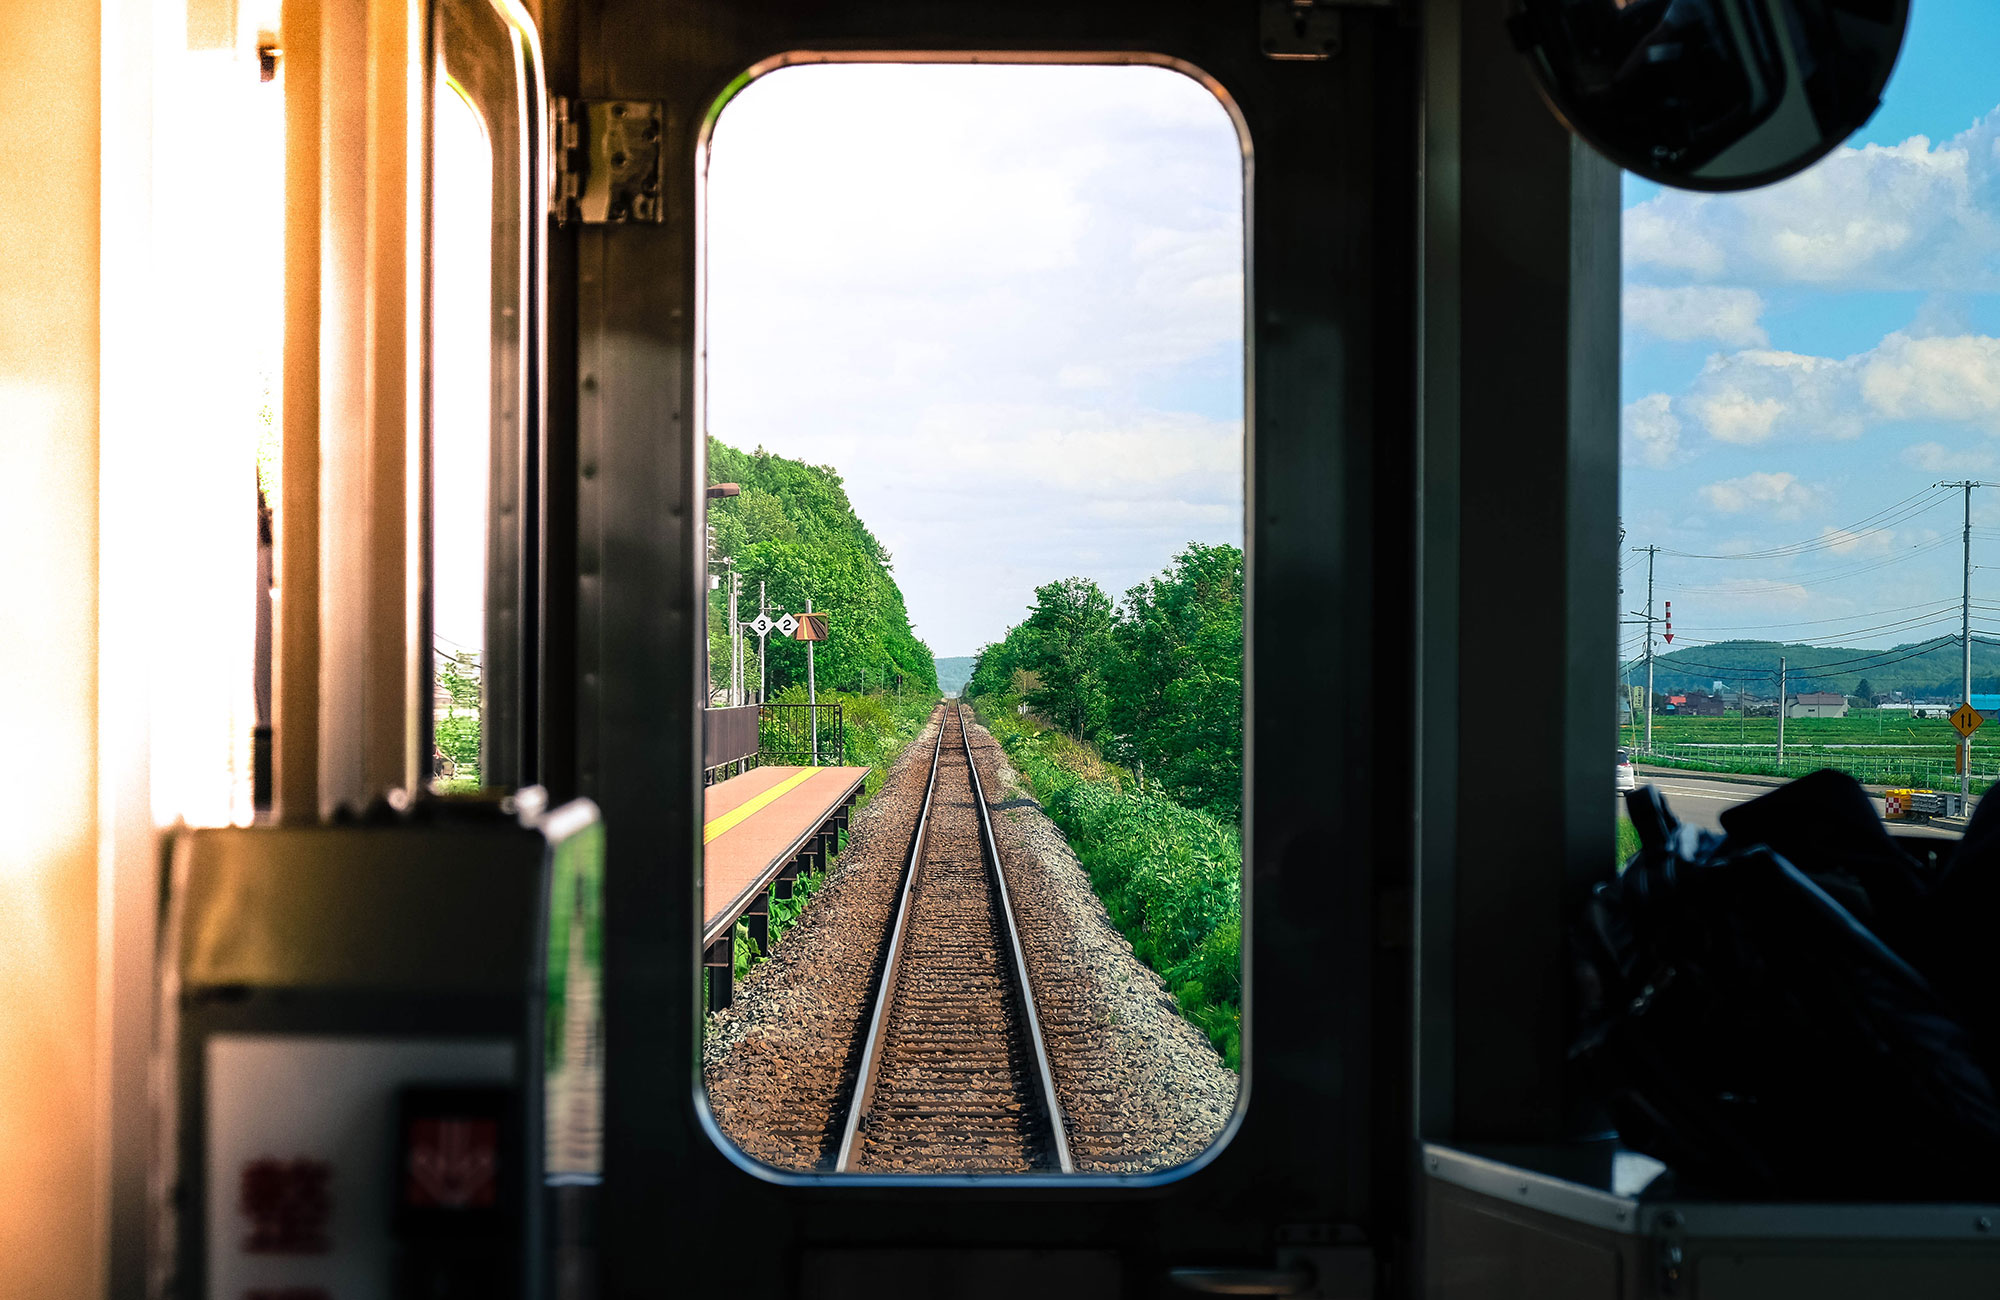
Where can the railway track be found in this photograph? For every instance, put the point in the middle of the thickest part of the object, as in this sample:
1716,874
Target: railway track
954,1073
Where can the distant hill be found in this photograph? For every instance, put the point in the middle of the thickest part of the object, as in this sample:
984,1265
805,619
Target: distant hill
1922,670
953,674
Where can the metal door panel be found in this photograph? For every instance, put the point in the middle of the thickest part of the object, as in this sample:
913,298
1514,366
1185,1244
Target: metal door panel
1330,229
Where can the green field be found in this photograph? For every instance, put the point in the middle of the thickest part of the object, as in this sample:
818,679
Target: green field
1878,747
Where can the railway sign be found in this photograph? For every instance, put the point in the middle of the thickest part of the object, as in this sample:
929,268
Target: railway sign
762,624
812,627
786,624
1967,719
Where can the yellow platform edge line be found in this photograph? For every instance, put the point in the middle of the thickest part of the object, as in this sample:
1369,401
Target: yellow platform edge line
731,819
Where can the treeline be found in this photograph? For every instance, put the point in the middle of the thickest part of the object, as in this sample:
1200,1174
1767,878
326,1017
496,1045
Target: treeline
1920,670
793,528
1155,682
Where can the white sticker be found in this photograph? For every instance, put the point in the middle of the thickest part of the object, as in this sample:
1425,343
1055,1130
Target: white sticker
300,1143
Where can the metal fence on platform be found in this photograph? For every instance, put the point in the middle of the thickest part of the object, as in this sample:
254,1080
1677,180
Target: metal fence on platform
801,735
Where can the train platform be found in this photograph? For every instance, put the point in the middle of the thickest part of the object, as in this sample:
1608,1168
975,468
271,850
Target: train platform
759,831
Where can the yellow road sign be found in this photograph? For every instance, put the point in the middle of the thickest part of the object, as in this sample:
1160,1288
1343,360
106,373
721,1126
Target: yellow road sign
1967,719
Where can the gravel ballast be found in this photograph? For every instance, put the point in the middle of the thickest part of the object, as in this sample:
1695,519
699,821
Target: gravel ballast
1140,1087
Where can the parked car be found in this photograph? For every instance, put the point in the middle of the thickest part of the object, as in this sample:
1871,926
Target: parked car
1627,779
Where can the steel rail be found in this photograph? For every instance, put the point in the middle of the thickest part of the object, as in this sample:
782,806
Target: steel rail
1023,987
1024,996
878,1023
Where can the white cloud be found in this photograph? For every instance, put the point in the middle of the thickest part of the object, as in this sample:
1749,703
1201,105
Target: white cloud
1934,378
1006,303
1652,431
1750,397
1779,495
1936,458
1760,395
1692,312
1905,216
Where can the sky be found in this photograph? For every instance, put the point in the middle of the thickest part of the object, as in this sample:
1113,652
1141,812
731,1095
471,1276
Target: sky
1005,303
1802,363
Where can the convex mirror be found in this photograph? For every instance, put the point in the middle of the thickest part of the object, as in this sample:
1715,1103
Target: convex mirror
1712,94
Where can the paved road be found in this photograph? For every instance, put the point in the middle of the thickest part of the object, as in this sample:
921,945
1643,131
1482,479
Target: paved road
1700,800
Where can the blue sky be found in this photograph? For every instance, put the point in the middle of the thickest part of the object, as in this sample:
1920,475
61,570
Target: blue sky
1800,359
1006,303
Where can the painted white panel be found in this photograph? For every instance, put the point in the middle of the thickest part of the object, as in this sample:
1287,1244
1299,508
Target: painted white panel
290,1098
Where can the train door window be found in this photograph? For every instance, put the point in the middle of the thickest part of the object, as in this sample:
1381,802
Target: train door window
461,428
1811,380
192,318
974,402
484,349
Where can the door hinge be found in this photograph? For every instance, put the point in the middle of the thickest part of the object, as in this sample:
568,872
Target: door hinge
605,156
1306,29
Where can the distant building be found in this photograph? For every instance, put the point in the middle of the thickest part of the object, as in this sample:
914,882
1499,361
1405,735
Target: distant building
1701,704
1816,704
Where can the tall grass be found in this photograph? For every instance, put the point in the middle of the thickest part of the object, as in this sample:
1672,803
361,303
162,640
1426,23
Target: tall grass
1170,877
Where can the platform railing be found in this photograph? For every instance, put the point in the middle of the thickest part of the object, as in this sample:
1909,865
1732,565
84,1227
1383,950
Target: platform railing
801,735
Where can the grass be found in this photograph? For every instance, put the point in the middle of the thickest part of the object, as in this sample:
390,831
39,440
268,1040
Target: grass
1628,841
1169,876
1877,747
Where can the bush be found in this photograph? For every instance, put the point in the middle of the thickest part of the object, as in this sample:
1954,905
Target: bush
1170,876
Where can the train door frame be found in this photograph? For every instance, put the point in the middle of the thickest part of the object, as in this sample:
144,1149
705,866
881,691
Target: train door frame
1321,1153
490,51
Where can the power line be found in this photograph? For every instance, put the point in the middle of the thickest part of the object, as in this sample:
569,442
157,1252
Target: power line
1813,578
1924,502
1813,622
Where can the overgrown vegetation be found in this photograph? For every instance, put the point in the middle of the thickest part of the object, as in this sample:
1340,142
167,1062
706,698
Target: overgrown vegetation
793,528
455,729
1155,682
1169,875
1628,840
1875,746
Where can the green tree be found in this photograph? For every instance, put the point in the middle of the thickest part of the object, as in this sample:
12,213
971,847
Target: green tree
793,528
1176,681
1071,621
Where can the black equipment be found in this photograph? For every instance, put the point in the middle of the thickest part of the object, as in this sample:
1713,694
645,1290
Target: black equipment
1712,94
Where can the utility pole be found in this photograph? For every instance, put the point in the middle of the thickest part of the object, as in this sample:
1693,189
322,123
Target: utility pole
1781,715
812,694
735,641
1965,648
1652,552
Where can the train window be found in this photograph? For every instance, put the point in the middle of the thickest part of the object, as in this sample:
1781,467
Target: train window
461,429
485,342
974,400
190,430
1811,378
